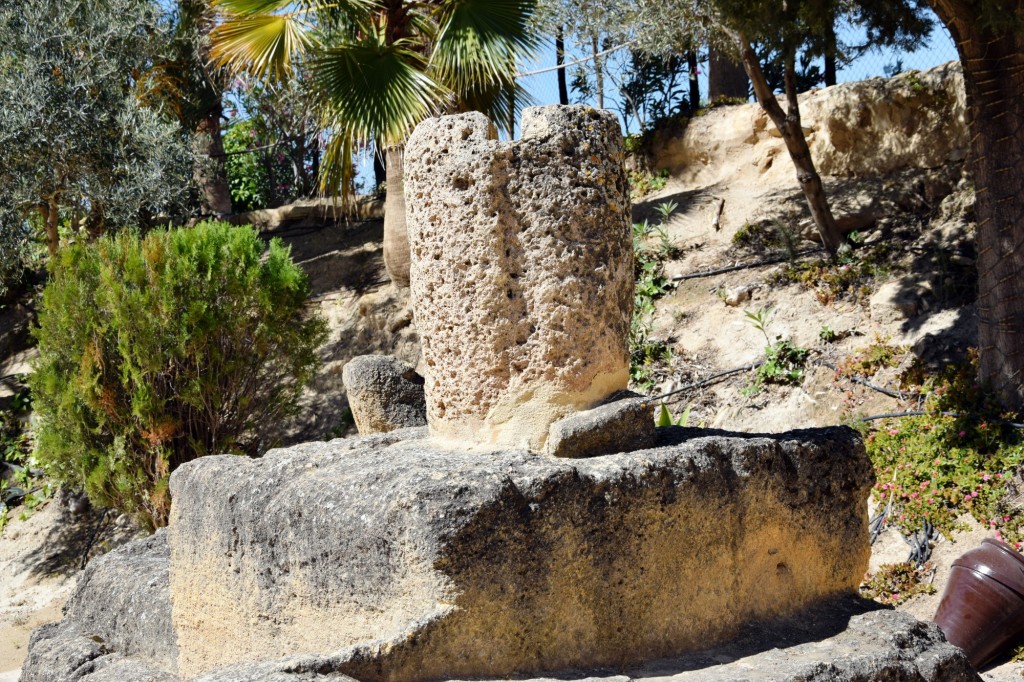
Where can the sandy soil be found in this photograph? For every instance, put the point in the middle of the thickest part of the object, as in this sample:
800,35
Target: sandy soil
40,559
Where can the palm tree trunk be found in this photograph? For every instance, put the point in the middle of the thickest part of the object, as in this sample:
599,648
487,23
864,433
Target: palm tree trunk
789,125
396,232
210,170
993,66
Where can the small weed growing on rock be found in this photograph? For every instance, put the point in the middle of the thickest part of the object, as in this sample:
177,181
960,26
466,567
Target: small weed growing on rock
784,361
827,334
850,277
642,183
894,584
937,467
651,284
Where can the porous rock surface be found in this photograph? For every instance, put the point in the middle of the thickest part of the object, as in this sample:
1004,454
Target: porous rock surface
521,259
621,425
393,558
841,640
117,624
384,394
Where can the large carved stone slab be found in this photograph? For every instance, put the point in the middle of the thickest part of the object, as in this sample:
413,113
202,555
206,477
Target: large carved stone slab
412,562
522,270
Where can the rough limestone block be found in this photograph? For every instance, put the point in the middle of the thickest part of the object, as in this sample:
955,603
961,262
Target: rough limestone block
384,394
400,560
619,426
117,623
522,270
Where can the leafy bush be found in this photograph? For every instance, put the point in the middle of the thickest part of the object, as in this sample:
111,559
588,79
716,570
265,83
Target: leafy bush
894,584
158,350
247,176
958,459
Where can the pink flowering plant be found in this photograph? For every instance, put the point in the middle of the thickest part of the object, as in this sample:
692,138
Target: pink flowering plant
894,584
937,467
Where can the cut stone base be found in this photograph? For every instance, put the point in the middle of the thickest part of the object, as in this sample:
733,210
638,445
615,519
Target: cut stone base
427,564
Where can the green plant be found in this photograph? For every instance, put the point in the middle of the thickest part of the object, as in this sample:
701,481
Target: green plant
827,334
850,276
938,467
79,146
642,182
894,584
247,177
869,360
651,284
154,351
665,417
783,361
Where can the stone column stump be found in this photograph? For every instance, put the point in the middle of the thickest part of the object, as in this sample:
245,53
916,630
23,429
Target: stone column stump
522,270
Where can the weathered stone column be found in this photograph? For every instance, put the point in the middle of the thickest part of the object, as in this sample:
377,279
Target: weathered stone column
522,270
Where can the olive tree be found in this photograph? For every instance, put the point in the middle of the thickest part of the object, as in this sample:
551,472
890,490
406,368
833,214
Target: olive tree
77,149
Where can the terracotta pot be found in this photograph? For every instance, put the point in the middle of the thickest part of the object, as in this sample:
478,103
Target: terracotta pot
982,608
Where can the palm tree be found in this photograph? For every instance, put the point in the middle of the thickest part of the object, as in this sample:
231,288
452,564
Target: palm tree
379,68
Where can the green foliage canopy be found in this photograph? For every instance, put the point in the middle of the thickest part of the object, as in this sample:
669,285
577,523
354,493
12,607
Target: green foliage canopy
381,68
73,136
158,350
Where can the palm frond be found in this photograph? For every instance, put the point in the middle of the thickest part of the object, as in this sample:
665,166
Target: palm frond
480,40
503,103
336,168
245,8
261,44
376,90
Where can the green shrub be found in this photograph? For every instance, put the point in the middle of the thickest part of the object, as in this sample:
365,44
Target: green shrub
247,177
958,459
155,351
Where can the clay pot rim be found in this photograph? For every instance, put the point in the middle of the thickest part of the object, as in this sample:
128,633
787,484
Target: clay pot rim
986,569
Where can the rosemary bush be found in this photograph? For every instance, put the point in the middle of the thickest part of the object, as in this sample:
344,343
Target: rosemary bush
157,350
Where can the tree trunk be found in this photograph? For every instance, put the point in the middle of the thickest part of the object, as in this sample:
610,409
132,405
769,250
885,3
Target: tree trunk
51,219
380,174
788,124
563,88
599,71
993,66
830,55
210,171
726,76
691,65
396,233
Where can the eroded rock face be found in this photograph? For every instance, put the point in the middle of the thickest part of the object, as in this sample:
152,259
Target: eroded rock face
522,270
413,562
912,121
117,624
384,394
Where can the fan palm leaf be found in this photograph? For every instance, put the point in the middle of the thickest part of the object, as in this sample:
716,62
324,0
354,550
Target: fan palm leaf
479,40
261,44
